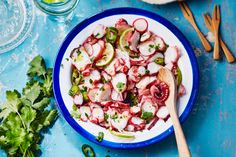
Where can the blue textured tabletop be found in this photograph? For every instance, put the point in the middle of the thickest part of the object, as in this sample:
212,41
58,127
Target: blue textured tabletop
211,127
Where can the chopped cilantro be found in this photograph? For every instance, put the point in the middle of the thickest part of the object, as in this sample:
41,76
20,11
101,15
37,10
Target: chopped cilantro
100,137
67,59
115,116
120,86
151,46
97,35
106,116
146,115
86,115
131,99
102,89
147,72
126,47
90,81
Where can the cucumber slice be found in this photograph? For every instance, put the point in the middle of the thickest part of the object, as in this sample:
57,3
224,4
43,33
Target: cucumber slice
121,134
107,56
123,42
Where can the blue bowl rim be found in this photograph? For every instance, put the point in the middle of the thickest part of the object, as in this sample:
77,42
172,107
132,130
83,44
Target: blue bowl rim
111,12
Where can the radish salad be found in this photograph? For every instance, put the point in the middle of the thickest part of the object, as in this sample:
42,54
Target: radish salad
114,77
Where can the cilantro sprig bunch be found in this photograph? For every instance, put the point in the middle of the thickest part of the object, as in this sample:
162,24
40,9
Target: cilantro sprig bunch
23,116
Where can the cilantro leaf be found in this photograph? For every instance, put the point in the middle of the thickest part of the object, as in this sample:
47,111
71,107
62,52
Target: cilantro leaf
47,85
28,115
37,67
146,115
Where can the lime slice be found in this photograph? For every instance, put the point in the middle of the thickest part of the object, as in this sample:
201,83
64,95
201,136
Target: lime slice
121,134
53,1
123,42
107,57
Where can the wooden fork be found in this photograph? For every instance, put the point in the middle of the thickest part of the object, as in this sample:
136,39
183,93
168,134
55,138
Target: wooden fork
216,24
189,16
208,22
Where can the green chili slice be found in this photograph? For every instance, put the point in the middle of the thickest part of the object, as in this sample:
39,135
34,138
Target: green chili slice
88,151
111,35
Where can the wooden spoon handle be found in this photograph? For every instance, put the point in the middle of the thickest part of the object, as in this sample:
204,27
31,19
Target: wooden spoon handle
230,58
179,135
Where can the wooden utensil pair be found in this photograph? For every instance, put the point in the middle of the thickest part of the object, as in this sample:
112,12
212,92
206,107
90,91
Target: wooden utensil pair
213,25
210,25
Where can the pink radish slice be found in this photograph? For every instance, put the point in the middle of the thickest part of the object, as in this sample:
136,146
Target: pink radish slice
110,69
134,41
135,110
88,48
140,24
80,59
141,70
153,57
121,22
120,122
97,50
137,61
133,74
92,94
85,113
97,115
147,48
124,56
171,55
162,112
159,42
119,82
149,106
145,36
145,81
153,68
99,31
78,99
116,96
104,93
181,90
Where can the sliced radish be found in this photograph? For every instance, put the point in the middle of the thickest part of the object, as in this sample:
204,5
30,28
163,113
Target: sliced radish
154,57
99,31
147,48
148,106
120,121
116,96
80,59
134,41
145,36
135,110
153,68
97,50
141,70
104,93
78,99
171,55
145,81
85,113
95,76
159,43
124,56
137,60
97,115
162,112
140,24
92,94
121,22
133,74
106,76
181,90
88,48
119,82
110,69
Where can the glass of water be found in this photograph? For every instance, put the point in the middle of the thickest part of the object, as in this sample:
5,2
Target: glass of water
59,10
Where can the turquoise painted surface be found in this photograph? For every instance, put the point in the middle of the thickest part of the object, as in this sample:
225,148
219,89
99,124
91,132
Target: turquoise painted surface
211,127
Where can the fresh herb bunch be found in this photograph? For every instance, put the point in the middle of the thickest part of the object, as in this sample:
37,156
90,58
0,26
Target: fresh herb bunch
24,116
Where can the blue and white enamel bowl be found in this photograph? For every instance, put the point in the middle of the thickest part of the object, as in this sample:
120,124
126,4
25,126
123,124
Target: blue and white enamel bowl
158,25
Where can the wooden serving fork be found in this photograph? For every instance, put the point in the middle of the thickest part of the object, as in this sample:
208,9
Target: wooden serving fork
208,22
189,16
216,24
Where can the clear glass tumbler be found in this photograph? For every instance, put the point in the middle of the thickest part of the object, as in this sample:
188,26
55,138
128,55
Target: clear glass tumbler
60,11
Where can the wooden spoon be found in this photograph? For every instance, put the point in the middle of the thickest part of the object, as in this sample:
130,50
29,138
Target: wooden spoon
166,76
